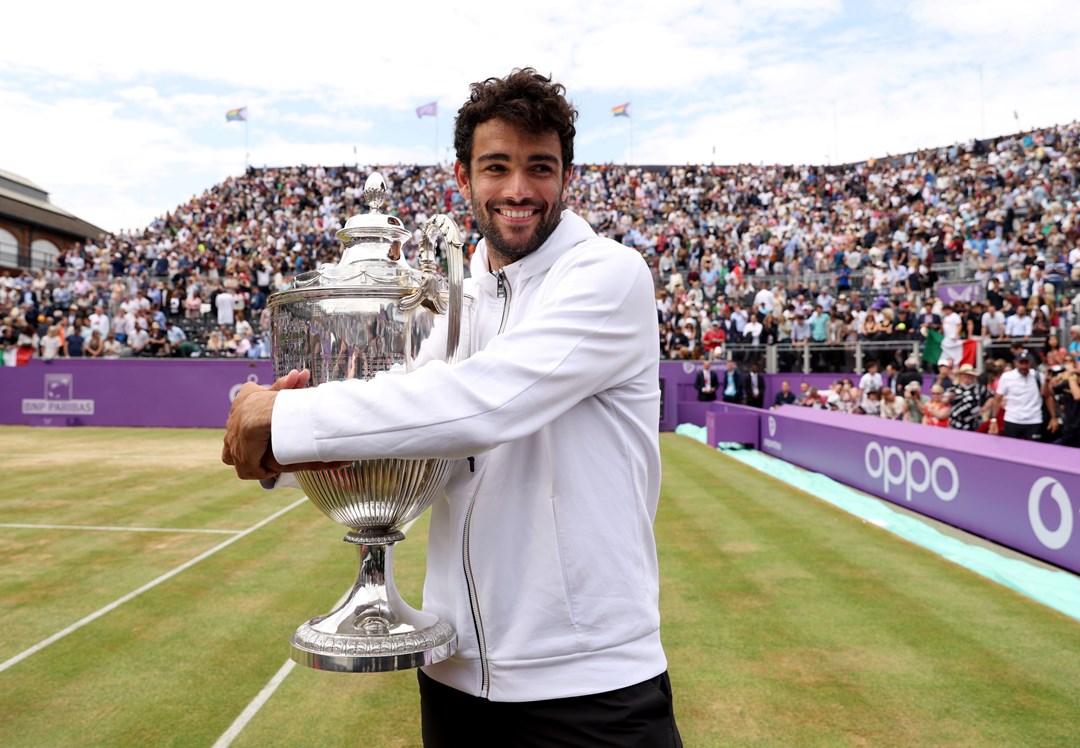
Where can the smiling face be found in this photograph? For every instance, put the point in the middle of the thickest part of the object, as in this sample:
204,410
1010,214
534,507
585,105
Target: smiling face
514,182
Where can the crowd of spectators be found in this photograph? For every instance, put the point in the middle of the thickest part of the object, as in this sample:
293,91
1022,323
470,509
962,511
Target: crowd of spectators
742,255
1044,400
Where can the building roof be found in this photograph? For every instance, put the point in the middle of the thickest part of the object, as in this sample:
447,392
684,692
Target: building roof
23,200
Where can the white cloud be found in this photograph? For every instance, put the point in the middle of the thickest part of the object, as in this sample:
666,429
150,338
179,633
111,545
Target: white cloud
121,116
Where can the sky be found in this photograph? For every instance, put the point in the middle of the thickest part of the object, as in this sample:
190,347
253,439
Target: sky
117,109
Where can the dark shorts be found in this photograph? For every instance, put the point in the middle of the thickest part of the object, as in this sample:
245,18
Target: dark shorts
1029,431
639,716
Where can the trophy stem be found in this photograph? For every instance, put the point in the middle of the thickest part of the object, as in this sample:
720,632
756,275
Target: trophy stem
374,629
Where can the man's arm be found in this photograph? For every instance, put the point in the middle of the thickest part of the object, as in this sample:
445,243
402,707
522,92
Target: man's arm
1047,392
596,329
247,431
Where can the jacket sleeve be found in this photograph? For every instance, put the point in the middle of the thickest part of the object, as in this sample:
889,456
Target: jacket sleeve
592,328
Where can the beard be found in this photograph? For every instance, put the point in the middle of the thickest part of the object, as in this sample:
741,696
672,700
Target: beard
511,247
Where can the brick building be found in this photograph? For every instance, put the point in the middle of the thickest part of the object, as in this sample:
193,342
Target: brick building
33,231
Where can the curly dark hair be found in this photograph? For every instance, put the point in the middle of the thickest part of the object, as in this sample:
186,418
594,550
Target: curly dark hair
525,99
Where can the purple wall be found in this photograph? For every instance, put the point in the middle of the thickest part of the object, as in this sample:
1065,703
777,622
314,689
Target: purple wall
1019,494
125,392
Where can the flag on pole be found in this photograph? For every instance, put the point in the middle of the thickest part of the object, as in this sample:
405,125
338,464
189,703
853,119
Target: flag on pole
622,110
236,115
428,110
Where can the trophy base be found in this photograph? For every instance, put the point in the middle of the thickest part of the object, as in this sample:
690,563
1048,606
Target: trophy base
352,653
373,630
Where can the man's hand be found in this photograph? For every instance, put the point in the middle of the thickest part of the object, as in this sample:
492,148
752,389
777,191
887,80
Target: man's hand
247,432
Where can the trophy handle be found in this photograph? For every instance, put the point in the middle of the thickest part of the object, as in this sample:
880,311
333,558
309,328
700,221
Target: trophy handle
441,226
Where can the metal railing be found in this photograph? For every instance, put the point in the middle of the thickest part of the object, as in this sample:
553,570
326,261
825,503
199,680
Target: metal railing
850,357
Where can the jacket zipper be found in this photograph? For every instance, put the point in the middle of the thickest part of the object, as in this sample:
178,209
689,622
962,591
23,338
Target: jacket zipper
504,292
474,602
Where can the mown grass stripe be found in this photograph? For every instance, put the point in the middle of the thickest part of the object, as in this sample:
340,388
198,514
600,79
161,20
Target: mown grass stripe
100,528
148,586
268,690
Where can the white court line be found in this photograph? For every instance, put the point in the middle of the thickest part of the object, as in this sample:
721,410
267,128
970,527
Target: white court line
148,586
264,695
116,529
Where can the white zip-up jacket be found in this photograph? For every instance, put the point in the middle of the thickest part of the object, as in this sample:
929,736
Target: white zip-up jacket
541,554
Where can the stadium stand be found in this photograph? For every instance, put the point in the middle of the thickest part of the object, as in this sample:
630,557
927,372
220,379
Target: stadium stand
793,268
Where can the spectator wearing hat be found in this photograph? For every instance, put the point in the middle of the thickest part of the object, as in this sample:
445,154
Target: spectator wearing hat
1019,392
157,343
969,401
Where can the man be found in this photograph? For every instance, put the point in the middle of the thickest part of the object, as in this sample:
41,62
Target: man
969,401
952,347
785,396
1019,391
910,374
915,401
712,340
733,384
558,617
993,323
100,321
706,383
871,380
754,386
1018,326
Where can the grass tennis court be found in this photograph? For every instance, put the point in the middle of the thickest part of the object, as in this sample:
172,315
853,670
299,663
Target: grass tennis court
787,622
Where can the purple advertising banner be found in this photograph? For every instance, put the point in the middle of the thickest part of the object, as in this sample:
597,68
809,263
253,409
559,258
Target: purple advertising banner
166,393
1020,494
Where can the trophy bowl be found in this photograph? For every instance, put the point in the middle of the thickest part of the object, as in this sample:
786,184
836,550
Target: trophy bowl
372,315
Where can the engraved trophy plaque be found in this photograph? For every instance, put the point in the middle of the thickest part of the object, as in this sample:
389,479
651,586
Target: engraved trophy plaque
372,314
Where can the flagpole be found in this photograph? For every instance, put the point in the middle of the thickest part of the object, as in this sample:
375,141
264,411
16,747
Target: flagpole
247,153
631,140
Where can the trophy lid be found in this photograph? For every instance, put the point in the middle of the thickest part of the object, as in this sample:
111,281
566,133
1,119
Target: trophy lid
372,225
372,259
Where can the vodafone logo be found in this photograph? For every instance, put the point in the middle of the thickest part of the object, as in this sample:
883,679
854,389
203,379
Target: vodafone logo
912,471
772,426
1052,539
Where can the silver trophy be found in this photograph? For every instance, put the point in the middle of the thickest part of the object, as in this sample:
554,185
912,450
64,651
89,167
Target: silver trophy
372,314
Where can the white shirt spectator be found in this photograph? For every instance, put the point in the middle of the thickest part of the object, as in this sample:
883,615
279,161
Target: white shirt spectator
765,300
871,381
1021,397
993,324
100,322
950,326
1018,326
224,304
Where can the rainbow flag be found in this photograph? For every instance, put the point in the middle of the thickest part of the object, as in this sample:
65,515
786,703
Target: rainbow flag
622,110
428,110
236,115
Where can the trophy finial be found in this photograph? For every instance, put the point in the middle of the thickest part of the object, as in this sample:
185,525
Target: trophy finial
375,191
